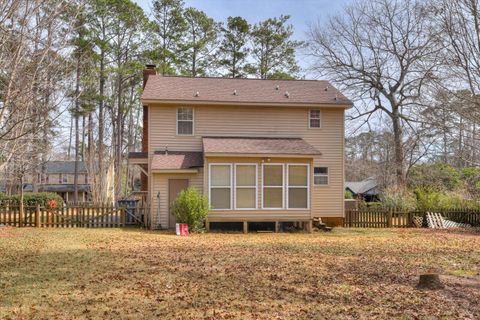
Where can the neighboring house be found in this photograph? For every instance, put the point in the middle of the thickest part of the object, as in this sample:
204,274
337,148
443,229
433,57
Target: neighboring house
59,178
367,189
261,150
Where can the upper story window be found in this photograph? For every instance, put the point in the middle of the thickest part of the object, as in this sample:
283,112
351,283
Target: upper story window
185,121
314,118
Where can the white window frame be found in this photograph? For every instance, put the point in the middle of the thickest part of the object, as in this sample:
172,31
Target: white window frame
193,121
283,184
245,187
287,187
310,118
219,187
321,175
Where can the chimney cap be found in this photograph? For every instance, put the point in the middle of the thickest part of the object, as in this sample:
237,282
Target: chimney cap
150,66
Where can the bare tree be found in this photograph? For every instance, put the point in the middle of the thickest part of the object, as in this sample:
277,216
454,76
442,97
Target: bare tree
381,51
460,24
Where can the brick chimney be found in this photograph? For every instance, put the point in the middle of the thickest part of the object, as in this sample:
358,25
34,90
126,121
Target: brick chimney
149,70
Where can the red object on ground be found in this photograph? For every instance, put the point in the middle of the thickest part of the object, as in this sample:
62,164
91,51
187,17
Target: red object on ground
181,229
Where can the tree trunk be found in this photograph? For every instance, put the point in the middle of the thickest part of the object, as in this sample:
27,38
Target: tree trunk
398,146
101,125
77,134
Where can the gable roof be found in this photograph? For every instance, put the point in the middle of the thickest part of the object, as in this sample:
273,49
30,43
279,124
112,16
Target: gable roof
177,160
361,187
242,91
242,145
64,167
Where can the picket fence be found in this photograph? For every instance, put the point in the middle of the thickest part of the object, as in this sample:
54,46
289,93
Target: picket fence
389,218
72,216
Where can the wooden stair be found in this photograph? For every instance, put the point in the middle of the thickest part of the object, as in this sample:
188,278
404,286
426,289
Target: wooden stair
319,225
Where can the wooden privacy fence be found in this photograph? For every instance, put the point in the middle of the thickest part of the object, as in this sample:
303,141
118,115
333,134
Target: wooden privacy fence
389,218
71,216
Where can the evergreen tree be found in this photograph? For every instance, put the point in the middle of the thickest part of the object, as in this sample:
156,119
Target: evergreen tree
199,43
169,27
233,51
273,49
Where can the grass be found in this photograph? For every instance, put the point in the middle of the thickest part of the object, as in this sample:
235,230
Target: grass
132,274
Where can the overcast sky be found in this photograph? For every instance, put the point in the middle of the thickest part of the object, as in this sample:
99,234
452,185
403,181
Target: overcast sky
302,12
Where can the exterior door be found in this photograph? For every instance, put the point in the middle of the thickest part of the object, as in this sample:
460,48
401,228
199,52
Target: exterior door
174,188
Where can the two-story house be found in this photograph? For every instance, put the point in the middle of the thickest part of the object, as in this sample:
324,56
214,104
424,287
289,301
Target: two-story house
261,150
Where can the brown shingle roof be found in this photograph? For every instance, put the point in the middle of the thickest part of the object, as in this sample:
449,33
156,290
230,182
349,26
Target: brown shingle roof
177,160
227,90
240,145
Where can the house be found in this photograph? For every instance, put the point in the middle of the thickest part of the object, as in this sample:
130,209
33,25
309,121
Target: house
367,189
261,150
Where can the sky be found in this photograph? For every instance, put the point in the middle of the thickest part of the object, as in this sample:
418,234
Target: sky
302,12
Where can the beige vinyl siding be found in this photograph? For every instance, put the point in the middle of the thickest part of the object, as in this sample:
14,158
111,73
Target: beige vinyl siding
326,201
160,184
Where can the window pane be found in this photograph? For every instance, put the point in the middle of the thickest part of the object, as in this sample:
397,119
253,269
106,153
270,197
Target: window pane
245,176
185,114
220,175
245,198
297,198
185,127
297,175
220,198
314,123
320,180
315,114
272,175
272,198
320,170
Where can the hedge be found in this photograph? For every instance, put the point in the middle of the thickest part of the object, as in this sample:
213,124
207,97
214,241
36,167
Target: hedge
32,198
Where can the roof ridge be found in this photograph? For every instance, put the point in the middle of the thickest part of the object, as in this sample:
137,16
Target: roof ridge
252,138
227,78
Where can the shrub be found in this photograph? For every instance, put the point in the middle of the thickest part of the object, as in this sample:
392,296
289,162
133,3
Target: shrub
437,176
42,198
348,195
191,208
399,198
471,178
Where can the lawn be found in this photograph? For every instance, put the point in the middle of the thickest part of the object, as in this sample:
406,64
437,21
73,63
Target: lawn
130,274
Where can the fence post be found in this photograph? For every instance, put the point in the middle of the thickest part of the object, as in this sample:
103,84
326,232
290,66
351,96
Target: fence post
37,215
123,213
389,218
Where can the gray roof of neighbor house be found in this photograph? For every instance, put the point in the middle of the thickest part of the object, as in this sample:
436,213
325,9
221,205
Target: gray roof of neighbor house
245,91
243,145
361,187
64,167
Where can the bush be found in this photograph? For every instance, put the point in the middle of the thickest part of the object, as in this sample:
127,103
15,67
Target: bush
348,195
471,178
32,198
191,208
437,176
399,198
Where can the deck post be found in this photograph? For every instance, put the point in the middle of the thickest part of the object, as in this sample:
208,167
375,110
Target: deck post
309,225
245,227
207,225
277,226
